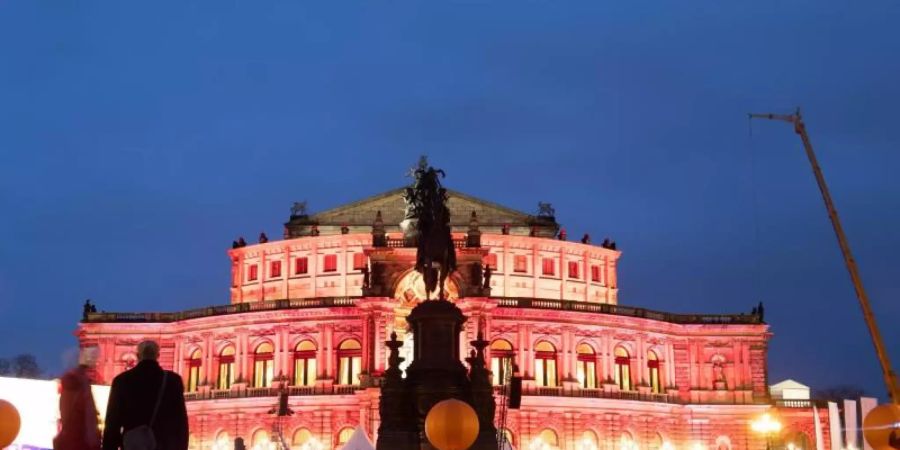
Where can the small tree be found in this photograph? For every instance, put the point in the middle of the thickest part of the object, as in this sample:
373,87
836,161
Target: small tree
26,366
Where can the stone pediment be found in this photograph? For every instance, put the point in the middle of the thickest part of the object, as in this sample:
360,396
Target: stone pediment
361,214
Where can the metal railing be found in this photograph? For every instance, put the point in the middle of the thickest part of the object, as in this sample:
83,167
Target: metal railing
256,392
269,305
629,311
503,302
543,391
401,243
800,403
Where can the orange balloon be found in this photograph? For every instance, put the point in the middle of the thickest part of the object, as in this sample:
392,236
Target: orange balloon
881,427
9,423
451,425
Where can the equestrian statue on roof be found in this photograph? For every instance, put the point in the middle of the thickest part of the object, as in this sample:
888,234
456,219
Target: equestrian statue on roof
427,224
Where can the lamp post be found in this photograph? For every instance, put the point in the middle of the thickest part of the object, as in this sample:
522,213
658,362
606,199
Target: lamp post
767,426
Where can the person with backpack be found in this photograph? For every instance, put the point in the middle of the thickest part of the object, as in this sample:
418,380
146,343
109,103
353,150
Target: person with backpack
146,408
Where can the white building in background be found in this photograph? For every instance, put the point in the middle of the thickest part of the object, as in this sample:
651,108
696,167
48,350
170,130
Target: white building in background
789,390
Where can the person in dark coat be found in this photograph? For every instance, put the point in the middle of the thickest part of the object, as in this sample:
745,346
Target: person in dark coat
78,414
133,396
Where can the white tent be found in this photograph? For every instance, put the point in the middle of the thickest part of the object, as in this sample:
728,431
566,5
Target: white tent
358,441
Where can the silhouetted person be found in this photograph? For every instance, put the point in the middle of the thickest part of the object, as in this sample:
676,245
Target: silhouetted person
761,311
241,242
263,238
93,308
605,243
234,244
586,239
314,231
345,229
753,311
133,397
487,276
612,245
86,309
562,234
77,412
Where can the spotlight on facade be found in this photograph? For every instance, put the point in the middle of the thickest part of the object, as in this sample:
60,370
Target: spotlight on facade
698,446
667,446
767,426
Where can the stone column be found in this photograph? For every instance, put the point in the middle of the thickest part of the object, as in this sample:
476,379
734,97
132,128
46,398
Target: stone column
208,359
285,271
563,272
586,276
262,273
507,266
313,266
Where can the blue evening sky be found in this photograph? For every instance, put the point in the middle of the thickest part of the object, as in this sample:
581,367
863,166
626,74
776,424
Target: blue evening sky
138,139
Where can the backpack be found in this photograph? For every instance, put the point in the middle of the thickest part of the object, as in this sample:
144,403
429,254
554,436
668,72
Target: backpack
141,437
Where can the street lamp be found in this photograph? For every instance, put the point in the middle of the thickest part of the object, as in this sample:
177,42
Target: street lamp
767,426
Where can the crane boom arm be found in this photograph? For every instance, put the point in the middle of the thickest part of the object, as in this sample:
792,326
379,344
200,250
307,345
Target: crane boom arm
890,378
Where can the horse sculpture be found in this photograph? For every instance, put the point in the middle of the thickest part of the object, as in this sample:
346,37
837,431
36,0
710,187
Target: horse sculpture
426,202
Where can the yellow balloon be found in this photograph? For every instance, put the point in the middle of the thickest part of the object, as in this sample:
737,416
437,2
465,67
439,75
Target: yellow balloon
451,425
9,423
881,427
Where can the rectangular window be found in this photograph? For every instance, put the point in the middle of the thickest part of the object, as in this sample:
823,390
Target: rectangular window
252,273
545,372
305,371
301,266
275,269
491,261
263,373
359,261
549,266
501,369
226,373
573,269
330,263
520,263
586,373
349,369
595,274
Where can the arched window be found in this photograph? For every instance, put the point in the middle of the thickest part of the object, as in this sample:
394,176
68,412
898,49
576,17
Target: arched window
586,370
226,368
305,364
798,440
588,441
501,361
626,441
223,441
260,440
263,367
301,437
724,443
547,438
194,363
545,364
653,368
344,436
623,369
349,362
656,442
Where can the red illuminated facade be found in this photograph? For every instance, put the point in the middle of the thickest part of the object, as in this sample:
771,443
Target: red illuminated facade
309,313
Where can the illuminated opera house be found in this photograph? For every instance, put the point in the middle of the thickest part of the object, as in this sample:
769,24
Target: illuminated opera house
309,315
